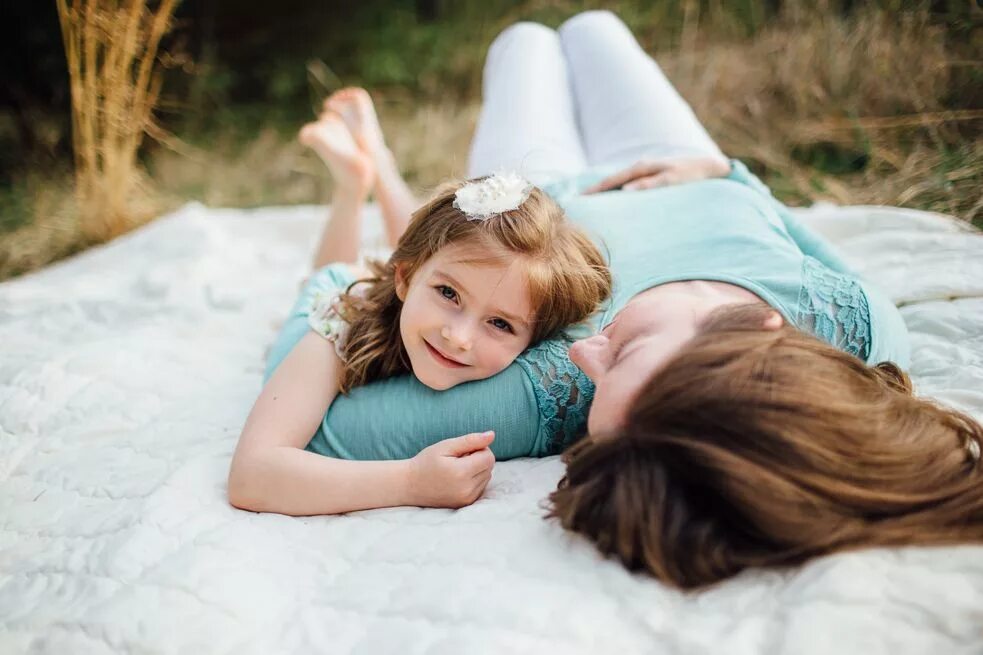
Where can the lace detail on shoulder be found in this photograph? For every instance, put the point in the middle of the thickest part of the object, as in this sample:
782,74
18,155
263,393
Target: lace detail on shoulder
833,307
563,393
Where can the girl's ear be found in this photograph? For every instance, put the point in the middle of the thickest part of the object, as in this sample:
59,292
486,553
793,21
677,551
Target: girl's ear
401,285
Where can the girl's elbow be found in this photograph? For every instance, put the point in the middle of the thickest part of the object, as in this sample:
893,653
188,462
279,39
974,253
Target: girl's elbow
243,487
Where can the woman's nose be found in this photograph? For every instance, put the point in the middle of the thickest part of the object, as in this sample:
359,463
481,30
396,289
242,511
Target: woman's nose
591,355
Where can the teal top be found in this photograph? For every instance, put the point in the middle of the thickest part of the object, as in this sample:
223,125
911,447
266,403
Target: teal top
728,229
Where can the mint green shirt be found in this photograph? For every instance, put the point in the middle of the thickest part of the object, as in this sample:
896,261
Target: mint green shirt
730,230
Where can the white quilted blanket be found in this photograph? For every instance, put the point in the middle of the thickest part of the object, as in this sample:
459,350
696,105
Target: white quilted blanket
125,377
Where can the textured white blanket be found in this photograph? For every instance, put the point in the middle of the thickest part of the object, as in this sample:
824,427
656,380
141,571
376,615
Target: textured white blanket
126,374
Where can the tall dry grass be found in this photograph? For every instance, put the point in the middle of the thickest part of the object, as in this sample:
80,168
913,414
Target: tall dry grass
111,49
876,86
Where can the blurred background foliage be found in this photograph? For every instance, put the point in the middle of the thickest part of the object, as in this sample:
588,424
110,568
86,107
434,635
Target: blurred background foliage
851,102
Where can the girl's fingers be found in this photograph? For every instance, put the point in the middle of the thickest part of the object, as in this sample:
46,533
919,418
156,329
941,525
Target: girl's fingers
481,461
486,472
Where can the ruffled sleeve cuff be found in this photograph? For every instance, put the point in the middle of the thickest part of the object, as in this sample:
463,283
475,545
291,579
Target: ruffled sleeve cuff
325,319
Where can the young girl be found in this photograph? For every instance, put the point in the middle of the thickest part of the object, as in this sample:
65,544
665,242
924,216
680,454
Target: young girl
482,271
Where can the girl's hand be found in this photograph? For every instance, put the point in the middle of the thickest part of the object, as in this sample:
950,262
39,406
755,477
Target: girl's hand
453,472
651,173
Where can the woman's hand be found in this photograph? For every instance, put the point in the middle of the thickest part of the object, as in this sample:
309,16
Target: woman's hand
453,472
651,173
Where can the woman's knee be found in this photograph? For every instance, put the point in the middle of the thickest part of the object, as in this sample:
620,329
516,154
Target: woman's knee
520,43
525,31
591,20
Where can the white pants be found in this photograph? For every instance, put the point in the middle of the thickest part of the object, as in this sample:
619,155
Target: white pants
556,103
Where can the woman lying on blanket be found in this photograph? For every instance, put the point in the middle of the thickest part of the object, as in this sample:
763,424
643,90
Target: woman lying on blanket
746,411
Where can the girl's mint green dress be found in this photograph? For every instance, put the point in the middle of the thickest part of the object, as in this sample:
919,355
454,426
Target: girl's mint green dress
728,229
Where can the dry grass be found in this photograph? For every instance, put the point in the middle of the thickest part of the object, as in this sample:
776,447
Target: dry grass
111,50
872,85
880,95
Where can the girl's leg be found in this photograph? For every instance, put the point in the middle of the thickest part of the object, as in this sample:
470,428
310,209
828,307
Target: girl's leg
527,121
394,196
627,108
353,174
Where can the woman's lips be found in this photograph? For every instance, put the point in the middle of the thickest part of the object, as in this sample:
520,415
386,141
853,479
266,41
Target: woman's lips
441,358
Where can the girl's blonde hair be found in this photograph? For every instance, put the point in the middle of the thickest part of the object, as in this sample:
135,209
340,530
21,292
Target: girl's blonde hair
567,275
768,448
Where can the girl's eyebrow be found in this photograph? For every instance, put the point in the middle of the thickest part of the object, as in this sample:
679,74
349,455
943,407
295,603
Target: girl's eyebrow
460,288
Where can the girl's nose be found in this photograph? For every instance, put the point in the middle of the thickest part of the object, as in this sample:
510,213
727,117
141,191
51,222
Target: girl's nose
458,335
591,355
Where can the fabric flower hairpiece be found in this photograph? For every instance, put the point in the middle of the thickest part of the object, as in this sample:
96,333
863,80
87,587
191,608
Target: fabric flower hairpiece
491,196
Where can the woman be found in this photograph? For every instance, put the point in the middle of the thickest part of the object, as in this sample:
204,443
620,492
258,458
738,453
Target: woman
746,410
582,112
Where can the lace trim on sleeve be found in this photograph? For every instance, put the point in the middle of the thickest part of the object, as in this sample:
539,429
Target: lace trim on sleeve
563,394
327,322
833,307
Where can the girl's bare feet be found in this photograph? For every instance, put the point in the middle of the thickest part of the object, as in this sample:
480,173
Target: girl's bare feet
355,106
331,139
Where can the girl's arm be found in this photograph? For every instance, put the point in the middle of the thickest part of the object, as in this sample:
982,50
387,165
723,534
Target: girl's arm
271,472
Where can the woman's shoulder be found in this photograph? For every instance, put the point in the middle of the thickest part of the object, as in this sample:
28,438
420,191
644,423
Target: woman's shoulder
850,314
563,394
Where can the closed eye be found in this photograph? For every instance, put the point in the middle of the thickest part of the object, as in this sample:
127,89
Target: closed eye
446,292
502,325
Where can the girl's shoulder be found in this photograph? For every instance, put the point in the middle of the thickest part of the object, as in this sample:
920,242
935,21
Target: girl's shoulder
337,276
323,293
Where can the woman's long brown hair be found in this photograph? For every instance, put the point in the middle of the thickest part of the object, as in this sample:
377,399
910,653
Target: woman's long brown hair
762,448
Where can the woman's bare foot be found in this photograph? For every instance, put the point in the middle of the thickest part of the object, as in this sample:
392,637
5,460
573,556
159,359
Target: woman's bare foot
331,139
354,105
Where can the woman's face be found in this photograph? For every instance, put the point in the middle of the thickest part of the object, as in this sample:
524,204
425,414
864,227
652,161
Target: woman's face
650,330
641,339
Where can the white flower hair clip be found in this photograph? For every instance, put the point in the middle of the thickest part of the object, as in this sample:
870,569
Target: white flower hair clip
491,196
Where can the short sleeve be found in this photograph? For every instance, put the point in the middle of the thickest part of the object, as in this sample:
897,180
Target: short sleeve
537,406
325,283
810,243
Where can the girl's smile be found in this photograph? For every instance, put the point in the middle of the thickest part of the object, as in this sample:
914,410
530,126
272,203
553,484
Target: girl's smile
466,314
443,359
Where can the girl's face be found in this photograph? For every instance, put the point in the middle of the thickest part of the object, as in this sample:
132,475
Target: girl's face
464,321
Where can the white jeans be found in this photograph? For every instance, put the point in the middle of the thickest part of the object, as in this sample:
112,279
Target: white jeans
558,102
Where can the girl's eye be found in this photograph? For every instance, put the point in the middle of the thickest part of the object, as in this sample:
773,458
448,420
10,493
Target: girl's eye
446,291
501,324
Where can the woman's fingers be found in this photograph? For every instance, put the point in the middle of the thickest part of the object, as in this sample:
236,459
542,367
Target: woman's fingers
652,181
640,169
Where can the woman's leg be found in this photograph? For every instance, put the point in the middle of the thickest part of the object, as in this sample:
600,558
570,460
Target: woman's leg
627,108
527,121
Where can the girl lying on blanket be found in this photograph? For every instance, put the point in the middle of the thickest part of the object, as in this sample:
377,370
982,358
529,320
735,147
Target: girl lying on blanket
481,272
